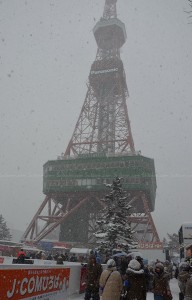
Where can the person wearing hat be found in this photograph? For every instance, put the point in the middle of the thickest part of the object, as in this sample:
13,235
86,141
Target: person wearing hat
161,288
136,281
110,282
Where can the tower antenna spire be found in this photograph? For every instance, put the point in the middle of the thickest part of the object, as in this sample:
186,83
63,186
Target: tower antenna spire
110,10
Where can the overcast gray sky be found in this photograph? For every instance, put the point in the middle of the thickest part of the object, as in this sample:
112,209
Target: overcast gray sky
46,51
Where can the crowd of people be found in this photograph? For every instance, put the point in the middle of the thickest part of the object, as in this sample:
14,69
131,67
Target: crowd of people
60,258
126,278
130,279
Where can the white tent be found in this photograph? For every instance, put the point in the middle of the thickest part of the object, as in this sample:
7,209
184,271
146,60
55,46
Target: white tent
31,249
60,248
80,251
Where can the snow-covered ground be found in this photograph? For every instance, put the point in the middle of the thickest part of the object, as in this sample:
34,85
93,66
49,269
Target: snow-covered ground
174,289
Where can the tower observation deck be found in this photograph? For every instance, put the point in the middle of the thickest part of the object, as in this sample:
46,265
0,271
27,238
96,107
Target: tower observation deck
101,148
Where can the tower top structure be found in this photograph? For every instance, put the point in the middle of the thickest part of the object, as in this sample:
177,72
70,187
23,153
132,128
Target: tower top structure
110,32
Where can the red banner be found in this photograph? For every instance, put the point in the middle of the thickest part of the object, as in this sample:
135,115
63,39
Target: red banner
17,284
1,260
83,280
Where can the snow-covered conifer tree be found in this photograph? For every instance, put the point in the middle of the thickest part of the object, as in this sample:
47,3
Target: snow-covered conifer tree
4,230
113,229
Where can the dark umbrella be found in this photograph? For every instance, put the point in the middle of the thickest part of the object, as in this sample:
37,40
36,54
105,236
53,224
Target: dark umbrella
120,254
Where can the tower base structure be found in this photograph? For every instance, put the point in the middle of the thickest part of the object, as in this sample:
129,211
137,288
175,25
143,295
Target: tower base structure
74,191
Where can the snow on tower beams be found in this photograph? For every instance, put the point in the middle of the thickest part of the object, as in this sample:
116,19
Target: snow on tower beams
110,33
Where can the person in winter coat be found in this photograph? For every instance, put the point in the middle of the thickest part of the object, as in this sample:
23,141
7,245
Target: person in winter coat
111,282
59,260
151,276
21,252
188,289
161,279
123,265
49,257
21,255
146,272
176,272
136,281
94,271
183,276
39,255
168,268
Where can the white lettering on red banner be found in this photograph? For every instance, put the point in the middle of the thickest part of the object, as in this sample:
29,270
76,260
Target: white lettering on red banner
23,284
150,245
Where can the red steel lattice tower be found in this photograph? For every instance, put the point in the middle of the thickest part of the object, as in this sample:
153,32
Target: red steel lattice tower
103,127
103,124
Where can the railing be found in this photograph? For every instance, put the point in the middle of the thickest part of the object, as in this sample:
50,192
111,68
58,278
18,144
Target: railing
130,153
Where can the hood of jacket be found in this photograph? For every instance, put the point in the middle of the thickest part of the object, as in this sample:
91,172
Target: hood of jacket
162,275
183,276
129,270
